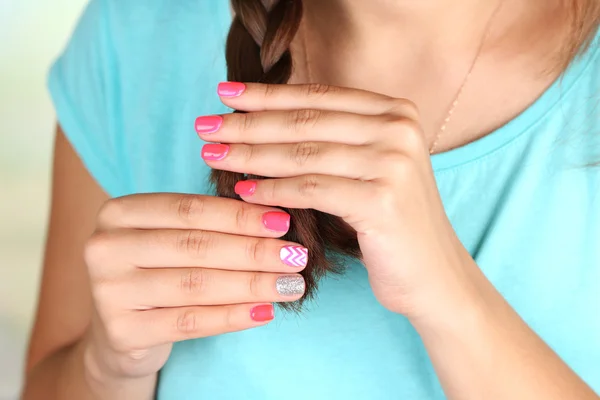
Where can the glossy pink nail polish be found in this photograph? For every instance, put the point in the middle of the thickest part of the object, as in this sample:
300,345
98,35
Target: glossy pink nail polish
245,188
263,313
214,152
208,124
276,221
231,89
294,256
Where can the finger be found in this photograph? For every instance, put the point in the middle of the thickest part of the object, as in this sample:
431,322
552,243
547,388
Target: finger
332,195
150,328
354,162
301,125
156,288
184,211
170,248
259,97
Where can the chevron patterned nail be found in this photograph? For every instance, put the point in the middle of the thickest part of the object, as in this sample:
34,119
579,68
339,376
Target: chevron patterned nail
294,256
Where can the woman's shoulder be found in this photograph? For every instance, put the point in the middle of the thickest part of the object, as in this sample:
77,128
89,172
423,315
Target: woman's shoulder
129,84
164,42
165,25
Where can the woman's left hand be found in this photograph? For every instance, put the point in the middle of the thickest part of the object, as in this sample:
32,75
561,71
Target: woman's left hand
357,155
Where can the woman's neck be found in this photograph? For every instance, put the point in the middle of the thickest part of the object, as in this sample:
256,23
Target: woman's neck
421,50
429,20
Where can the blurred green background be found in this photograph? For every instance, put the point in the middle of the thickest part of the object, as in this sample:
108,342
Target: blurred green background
32,33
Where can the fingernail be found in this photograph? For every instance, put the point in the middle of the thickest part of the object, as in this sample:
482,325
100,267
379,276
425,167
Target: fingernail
276,221
231,89
263,313
209,124
290,285
214,152
294,256
245,188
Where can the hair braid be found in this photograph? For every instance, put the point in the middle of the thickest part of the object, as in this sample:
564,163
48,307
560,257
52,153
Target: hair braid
258,51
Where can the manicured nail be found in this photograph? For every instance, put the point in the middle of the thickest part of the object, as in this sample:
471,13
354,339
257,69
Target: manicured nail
231,89
294,256
290,285
276,221
263,313
245,188
214,152
209,124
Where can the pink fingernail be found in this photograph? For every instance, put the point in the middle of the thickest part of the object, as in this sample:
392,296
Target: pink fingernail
245,188
276,221
231,89
263,313
294,256
209,124
214,152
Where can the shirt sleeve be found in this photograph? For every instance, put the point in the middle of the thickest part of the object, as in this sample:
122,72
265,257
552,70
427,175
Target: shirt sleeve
83,86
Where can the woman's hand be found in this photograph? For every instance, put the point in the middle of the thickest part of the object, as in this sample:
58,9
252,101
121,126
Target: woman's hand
170,267
354,154
362,156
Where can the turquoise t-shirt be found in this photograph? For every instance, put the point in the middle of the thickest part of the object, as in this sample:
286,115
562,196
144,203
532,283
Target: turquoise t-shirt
524,201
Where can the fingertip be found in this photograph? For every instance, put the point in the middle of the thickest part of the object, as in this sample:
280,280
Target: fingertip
245,188
290,287
294,256
228,90
277,221
262,313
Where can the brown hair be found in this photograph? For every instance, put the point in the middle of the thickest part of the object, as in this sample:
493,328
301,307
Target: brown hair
258,51
583,21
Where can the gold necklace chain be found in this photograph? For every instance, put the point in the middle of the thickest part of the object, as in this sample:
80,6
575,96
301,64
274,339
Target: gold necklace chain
457,98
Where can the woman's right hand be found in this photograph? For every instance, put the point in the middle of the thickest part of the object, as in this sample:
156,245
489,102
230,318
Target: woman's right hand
172,267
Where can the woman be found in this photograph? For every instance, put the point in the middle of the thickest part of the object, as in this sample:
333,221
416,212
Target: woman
479,274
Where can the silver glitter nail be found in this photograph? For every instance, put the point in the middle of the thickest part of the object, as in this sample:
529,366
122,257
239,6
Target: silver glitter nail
290,285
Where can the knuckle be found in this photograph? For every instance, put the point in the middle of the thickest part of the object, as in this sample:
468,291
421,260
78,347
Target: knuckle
413,135
194,243
103,292
247,121
270,188
318,90
135,355
229,320
97,249
303,119
245,152
412,110
242,216
408,134
188,322
269,90
193,281
117,333
190,207
255,250
403,107
308,186
304,152
110,211
128,362
254,285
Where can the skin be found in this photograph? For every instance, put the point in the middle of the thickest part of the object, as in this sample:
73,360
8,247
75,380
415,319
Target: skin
81,345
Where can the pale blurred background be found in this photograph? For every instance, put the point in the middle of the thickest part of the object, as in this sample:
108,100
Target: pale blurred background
32,33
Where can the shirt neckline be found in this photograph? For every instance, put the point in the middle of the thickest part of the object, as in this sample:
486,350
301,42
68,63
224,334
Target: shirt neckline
523,122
